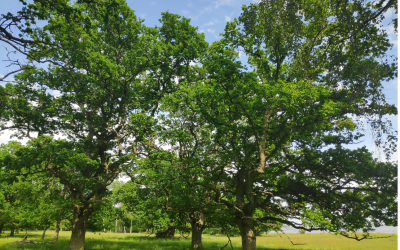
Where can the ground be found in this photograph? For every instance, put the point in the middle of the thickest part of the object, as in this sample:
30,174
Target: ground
271,241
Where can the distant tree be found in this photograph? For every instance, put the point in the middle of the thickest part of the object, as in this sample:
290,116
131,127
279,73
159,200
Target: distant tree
31,201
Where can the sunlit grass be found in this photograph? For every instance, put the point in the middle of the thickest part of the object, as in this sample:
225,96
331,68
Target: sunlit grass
137,241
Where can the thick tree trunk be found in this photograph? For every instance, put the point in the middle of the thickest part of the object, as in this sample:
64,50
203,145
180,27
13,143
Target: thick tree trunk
12,232
55,240
246,227
1,228
197,221
44,232
79,224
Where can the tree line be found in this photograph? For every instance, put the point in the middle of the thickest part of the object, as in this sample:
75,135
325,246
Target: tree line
207,139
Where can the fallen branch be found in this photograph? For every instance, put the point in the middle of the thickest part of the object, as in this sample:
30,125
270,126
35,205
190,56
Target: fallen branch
23,241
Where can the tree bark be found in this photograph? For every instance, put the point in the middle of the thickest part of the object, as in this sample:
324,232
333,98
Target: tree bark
12,232
246,227
55,240
116,225
44,232
130,229
81,215
1,228
197,221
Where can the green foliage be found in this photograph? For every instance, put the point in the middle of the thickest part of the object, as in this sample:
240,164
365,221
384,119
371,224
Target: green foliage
29,201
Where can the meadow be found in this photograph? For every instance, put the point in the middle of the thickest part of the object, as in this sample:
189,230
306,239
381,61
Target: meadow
135,241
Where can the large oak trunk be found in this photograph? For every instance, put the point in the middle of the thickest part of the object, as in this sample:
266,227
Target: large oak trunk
197,220
79,224
55,240
246,227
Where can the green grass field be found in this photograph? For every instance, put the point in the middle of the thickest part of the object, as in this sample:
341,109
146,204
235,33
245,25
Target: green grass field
136,241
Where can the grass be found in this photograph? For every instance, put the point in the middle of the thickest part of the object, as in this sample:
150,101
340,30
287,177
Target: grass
137,241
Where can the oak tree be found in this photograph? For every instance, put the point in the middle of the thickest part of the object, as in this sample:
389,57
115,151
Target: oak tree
103,78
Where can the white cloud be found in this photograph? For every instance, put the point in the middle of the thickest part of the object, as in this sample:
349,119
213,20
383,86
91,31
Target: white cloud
228,18
390,14
5,137
201,31
209,23
153,3
206,9
395,84
211,30
185,12
223,2
55,93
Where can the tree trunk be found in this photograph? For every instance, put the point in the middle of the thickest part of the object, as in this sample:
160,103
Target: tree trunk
12,232
1,228
79,224
130,229
116,224
170,232
197,220
44,232
55,240
246,227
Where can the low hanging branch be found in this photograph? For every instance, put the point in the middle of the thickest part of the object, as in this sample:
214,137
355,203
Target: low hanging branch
288,238
365,236
229,241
